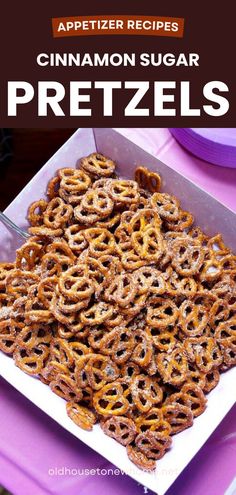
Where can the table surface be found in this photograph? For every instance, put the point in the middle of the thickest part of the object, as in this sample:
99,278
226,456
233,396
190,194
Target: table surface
38,457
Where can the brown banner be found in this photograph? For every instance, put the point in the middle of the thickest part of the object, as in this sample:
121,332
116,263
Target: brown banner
206,36
118,24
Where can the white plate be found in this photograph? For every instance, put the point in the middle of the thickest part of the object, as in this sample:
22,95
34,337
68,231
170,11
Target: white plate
218,218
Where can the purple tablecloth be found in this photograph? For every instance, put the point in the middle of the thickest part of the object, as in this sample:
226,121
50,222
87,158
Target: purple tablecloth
38,457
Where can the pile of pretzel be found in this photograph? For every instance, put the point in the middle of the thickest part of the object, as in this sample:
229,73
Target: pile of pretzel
121,305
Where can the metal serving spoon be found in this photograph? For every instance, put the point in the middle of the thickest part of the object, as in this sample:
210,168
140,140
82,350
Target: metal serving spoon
4,219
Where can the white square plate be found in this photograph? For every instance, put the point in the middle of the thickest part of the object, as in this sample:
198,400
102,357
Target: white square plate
212,216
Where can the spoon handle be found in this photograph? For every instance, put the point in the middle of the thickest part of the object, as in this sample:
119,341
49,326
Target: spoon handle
13,226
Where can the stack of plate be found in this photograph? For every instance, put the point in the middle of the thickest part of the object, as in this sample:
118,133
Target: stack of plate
214,145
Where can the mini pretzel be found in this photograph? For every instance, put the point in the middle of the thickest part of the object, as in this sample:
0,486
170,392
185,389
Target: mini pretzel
229,354
161,312
53,186
228,263
218,312
110,264
217,245
224,286
67,318
72,321
125,219
173,366
68,306
73,179
123,236
95,370
211,270
162,339
51,370
124,247
61,351
19,281
191,396
138,322
118,344
212,379
64,332
80,374
78,350
31,337
197,234
35,312
65,386
123,191
74,283
166,205
101,184
140,459
85,217
109,400
196,376
97,314
98,165
153,444
52,264
177,286
141,177
225,331
149,279
96,273
187,257
8,332
46,290
148,245
61,249
184,222
178,416
142,220
87,398
45,232
82,416
73,184
145,392
18,309
57,214
142,204
97,201
204,351
75,238
147,179
36,211
31,360
134,307
193,318
142,353
101,241
122,290
153,421
95,336
100,370
120,428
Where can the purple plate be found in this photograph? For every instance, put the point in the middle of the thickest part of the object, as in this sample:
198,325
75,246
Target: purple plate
215,145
